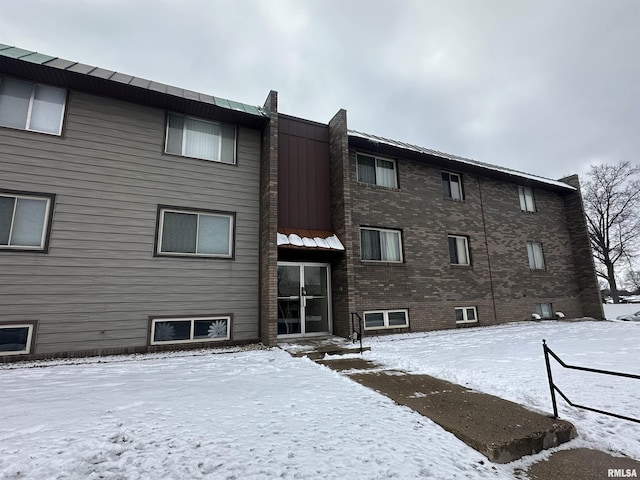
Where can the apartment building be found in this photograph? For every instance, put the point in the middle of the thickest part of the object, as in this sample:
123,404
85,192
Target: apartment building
137,216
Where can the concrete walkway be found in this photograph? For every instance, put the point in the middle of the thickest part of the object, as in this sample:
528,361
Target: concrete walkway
501,430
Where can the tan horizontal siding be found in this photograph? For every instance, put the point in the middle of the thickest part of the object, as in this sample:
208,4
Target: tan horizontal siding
99,283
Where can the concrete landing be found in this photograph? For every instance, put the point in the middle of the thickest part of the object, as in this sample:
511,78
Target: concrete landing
583,464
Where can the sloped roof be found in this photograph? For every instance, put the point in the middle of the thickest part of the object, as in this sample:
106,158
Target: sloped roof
461,162
70,74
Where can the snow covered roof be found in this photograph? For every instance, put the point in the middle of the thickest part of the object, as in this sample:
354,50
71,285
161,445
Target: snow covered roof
308,239
460,160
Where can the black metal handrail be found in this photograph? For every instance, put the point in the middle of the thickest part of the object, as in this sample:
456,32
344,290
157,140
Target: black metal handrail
356,334
554,388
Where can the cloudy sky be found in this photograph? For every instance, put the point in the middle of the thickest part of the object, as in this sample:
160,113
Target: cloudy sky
543,86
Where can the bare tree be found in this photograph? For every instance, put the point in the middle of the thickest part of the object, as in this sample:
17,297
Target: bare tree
612,203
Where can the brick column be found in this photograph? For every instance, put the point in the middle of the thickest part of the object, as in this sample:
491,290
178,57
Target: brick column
582,254
342,273
269,224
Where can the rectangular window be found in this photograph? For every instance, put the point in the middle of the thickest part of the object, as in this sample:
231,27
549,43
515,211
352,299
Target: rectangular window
381,319
377,171
15,339
536,257
189,232
545,310
458,250
198,138
29,106
466,315
24,221
380,245
189,330
452,186
526,199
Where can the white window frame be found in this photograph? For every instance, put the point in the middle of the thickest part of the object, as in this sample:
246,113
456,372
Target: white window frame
391,160
45,227
386,230
535,253
540,310
230,216
27,126
154,321
385,316
461,199
184,143
466,247
27,350
527,200
465,315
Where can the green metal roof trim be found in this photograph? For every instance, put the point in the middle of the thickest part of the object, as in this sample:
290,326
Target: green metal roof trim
485,166
110,75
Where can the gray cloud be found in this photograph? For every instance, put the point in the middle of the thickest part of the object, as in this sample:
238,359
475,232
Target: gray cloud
541,86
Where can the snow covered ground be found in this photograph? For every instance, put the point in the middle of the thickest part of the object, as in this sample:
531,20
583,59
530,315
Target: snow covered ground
508,361
261,414
611,310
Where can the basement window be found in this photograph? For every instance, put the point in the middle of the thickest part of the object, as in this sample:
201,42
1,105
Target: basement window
545,310
466,315
190,330
381,319
16,339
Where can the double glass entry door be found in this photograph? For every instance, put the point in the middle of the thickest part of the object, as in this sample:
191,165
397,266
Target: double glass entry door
303,299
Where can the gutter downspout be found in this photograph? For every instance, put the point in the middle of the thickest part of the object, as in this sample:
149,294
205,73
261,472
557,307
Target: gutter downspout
486,243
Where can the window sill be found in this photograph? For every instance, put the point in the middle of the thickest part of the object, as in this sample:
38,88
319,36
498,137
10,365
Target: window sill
4,248
454,200
218,162
18,129
392,327
460,266
466,323
381,263
375,186
191,256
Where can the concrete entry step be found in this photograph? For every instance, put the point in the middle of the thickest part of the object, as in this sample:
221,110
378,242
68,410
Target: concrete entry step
342,364
317,349
501,430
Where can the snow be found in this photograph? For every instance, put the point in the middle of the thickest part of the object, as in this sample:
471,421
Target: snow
335,243
261,414
614,310
295,240
508,361
316,242
282,239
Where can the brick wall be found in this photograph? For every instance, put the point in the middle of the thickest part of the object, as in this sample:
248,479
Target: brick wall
498,282
582,254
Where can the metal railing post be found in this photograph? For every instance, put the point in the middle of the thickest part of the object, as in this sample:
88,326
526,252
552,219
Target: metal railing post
552,387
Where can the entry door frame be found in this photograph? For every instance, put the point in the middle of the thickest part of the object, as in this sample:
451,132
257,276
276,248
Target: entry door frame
303,333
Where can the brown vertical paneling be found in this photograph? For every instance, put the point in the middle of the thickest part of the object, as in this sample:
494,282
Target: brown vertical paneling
304,181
